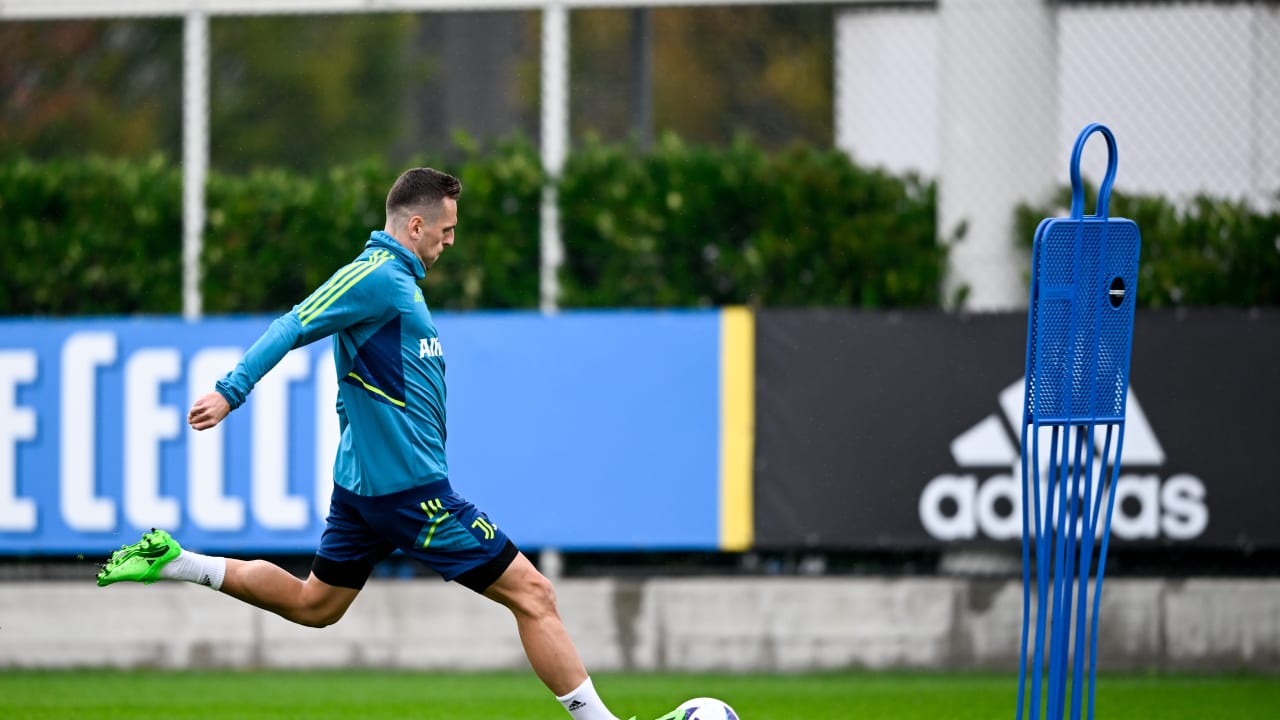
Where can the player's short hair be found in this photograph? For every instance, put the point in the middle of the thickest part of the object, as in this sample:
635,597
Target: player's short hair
421,189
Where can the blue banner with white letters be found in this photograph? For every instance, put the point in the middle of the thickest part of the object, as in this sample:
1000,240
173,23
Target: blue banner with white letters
587,430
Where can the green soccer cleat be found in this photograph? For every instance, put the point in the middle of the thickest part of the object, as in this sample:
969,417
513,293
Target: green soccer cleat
141,561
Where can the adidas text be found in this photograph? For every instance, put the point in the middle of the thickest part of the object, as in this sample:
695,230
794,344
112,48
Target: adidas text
962,507
970,504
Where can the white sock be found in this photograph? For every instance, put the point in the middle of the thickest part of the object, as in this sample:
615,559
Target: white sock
196,568
585,704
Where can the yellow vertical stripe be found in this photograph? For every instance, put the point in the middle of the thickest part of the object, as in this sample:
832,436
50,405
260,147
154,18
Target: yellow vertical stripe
737,427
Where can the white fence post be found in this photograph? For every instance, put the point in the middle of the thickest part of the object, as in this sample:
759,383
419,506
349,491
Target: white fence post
195,154
998,129
555,131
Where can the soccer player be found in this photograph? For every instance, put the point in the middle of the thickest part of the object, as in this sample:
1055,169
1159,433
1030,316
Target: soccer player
391,484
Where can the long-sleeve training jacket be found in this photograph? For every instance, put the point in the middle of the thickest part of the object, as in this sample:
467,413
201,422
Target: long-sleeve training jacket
390,368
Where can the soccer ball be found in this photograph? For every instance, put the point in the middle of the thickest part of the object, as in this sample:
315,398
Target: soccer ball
705,708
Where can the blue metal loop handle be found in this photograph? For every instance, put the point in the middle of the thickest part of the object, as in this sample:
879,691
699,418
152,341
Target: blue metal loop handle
1077,185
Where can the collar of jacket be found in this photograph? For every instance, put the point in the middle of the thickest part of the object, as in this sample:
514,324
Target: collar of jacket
381,239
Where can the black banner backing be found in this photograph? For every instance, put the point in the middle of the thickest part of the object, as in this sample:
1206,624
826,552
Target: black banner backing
901,429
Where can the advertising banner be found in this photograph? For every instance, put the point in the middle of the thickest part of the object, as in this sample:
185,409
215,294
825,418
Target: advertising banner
580,430
902,430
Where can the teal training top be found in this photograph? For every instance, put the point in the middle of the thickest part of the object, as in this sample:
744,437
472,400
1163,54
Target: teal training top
390,367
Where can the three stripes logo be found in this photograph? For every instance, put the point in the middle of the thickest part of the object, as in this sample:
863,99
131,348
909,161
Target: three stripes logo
435,511
339,284
984,498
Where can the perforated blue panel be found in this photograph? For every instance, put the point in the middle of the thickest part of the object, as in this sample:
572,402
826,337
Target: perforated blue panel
1079,337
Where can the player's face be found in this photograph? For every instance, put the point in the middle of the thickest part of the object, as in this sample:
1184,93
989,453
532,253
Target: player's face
432,234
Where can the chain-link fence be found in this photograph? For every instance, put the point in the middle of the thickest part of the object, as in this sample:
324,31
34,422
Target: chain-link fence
989,95
1191,89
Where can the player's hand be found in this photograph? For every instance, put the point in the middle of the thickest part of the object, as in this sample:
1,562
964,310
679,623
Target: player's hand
208,411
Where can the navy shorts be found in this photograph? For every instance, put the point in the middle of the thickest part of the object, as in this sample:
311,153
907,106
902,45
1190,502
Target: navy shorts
431,524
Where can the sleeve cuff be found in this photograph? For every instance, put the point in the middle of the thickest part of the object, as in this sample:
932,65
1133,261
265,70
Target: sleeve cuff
233,398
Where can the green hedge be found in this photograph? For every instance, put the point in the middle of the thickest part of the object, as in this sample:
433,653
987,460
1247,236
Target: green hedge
272,237
693,226
90,237
104,237
1209,251
676,227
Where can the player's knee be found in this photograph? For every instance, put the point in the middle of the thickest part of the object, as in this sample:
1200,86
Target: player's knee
318,616
537,597
319,610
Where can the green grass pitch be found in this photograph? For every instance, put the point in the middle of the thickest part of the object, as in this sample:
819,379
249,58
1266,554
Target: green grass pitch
397,695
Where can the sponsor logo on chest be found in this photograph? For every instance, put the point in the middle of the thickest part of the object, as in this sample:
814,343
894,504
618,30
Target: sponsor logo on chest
429,347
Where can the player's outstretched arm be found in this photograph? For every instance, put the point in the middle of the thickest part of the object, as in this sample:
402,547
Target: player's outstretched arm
208,411
342,302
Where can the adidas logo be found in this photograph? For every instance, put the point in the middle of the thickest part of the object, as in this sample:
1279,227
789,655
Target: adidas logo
971,505
576,705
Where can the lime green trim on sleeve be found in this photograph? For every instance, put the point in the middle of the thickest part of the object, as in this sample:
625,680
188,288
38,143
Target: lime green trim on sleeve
339,285
737,427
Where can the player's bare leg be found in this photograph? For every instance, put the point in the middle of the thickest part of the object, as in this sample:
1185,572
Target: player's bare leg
532,600
311,602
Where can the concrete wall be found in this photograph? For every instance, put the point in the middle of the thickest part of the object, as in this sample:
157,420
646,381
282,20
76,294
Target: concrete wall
779,624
